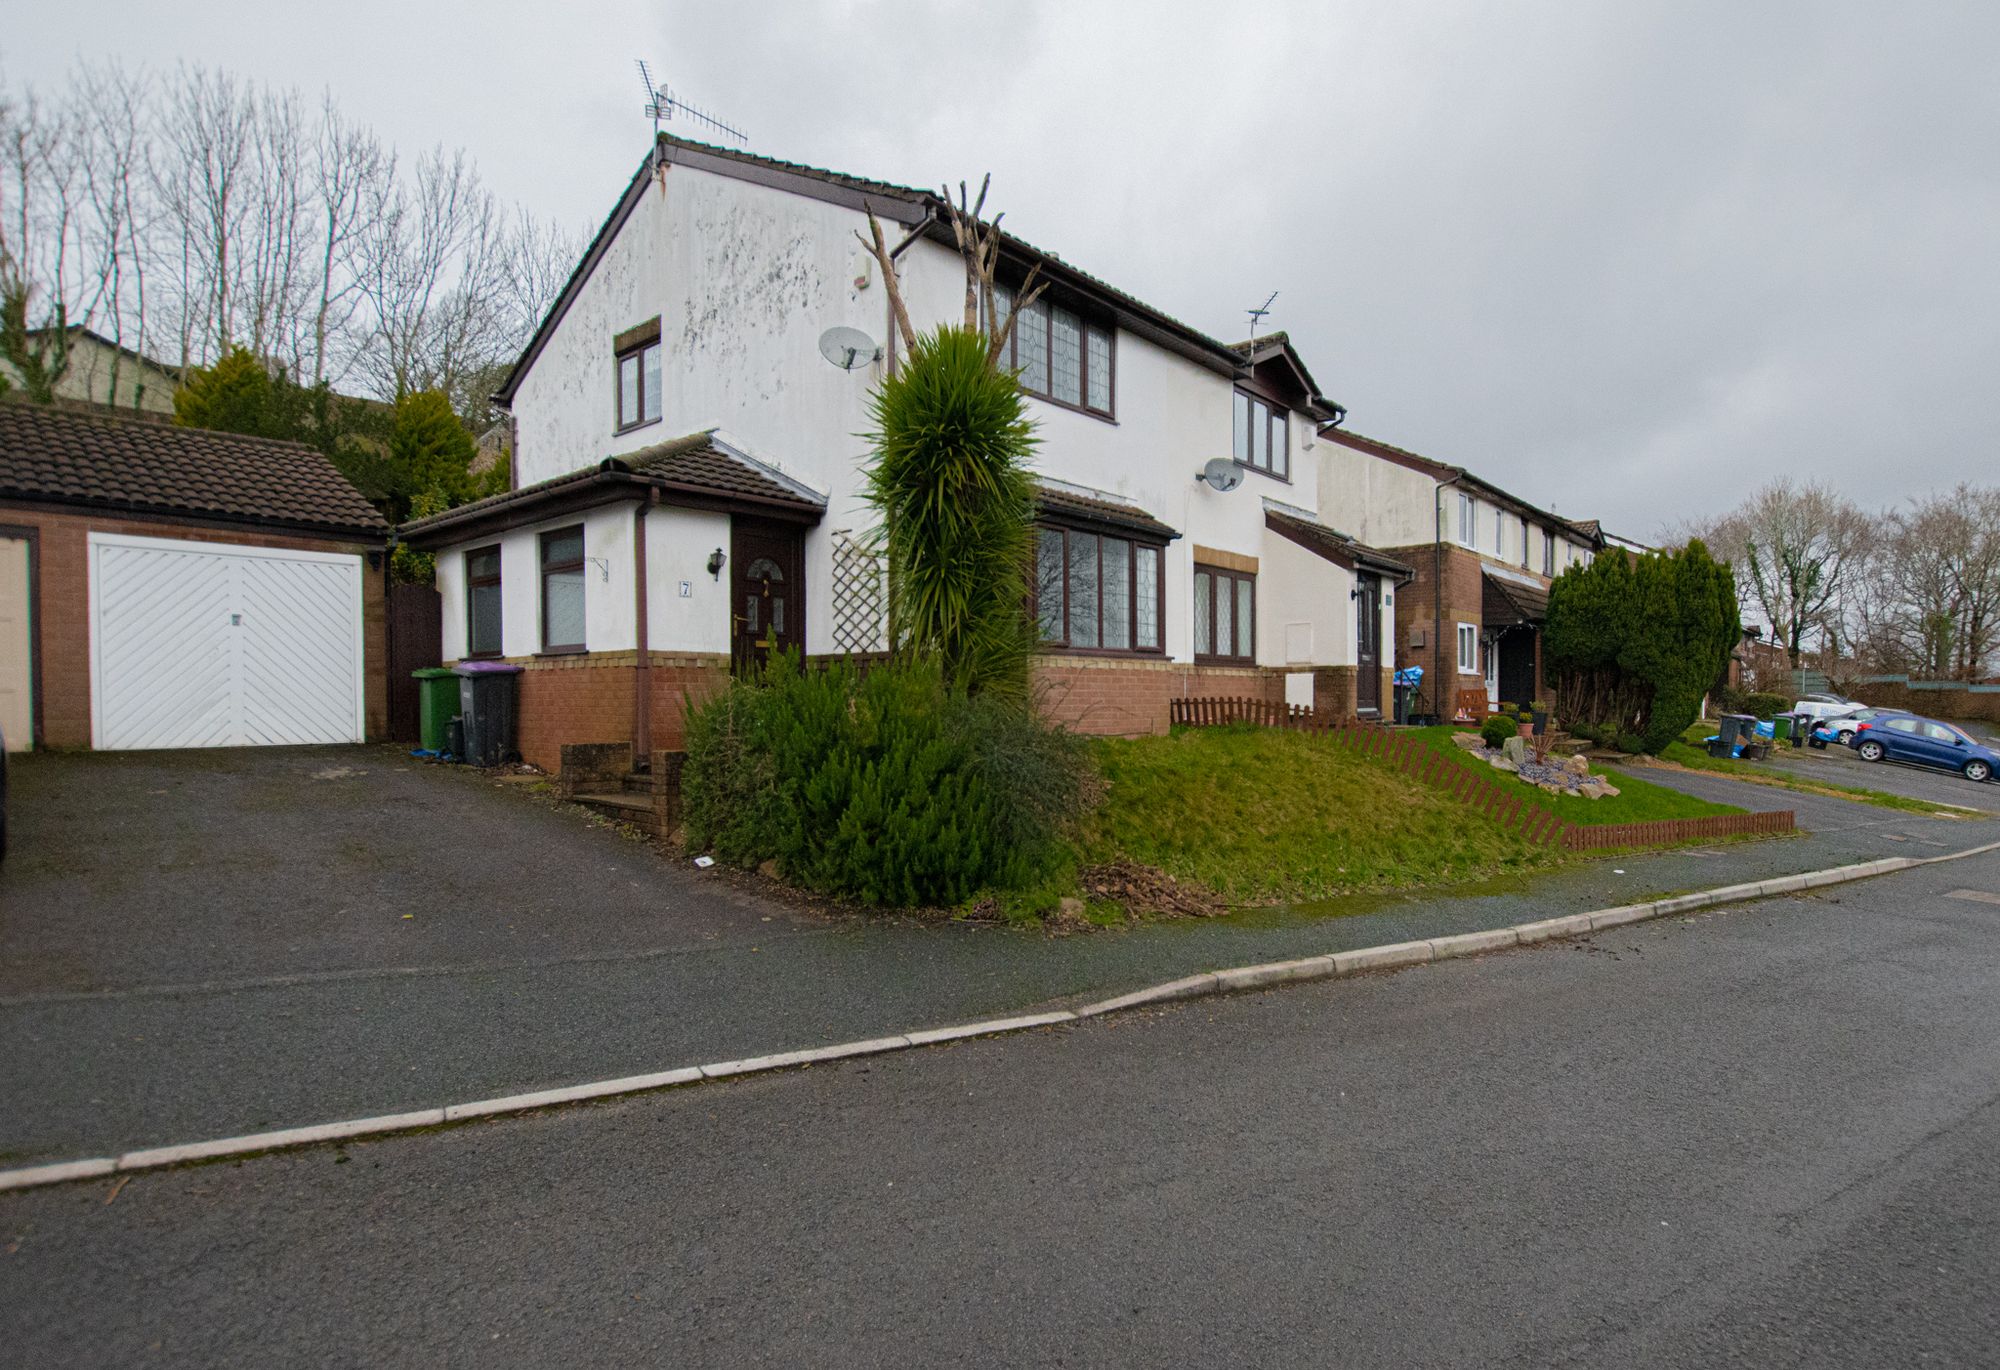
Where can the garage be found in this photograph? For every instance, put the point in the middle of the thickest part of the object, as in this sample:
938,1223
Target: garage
168,587
219,645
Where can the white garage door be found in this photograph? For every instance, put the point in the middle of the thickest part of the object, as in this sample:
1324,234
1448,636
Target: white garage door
198,644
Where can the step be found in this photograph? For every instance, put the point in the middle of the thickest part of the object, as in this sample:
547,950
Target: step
615,799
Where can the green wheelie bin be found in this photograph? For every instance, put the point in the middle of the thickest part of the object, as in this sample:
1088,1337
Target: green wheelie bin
437,705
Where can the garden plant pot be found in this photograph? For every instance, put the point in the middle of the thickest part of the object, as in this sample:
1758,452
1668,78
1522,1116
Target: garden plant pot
1525,729
1541,721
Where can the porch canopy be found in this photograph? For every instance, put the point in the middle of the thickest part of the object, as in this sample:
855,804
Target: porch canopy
1509,603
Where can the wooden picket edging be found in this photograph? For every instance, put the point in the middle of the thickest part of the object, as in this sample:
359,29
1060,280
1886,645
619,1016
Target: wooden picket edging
1505,804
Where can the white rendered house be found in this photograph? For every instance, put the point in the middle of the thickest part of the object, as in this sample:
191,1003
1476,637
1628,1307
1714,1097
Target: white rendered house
689,477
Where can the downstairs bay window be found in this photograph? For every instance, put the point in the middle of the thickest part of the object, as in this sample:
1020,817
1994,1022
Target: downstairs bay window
1097,592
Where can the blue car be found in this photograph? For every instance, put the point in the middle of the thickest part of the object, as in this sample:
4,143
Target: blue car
1925,742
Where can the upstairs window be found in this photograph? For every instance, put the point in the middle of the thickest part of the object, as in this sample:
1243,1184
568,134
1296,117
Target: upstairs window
1095,592
1499,533
1225,615
1468,528
1263,436
1059,355
638,357
1548,554
1524,544
482,602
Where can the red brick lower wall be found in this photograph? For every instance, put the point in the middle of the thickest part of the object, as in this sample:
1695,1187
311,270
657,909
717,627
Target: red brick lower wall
1115,697
62,609
589,698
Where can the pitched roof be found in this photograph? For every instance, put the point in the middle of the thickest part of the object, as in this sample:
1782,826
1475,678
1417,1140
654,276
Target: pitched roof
1504,603
1332,544
106,461
907,205
1446,472
703,467
1053,499
1278,346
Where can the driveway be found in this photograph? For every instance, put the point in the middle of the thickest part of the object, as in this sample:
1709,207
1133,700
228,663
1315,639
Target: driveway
195,945
1840,766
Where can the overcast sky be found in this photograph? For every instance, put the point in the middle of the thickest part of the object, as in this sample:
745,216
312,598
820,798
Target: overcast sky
1622,258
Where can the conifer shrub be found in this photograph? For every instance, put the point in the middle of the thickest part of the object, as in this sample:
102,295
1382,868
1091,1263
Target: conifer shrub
888,786
1498,728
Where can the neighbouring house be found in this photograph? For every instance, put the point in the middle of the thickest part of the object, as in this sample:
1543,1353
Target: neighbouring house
1484,560
689,475
174,587
103,372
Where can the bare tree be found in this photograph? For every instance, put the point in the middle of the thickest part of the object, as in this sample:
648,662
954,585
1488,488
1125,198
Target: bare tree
979,249
207,123
352,176
1797,551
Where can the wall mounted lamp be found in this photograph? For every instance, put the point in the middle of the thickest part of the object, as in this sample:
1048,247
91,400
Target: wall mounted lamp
716,561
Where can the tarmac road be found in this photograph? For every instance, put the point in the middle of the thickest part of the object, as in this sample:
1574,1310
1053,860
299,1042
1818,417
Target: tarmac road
1764,1136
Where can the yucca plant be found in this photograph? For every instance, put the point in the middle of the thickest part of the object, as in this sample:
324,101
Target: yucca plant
950,484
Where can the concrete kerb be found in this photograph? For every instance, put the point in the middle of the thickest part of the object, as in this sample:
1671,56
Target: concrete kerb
1339,964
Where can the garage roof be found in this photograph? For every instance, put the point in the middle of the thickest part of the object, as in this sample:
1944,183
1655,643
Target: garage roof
132,465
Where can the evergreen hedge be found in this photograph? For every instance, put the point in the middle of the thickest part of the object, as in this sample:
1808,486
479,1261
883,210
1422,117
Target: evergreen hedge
889,787
1632,645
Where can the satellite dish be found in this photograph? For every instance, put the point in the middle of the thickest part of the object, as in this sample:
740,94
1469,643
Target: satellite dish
1221,474
848,348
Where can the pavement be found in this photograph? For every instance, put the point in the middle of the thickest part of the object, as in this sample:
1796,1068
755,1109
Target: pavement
1763,1136
196,945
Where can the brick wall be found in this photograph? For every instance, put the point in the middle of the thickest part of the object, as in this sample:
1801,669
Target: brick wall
1118,697
62,609
589,698
1933,699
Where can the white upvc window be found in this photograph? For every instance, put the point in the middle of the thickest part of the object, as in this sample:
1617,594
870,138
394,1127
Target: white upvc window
1468,649
1468,526
1499,533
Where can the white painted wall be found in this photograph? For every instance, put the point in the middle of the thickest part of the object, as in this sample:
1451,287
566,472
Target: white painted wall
679,543
609,602
1301,595
744,279
1377,502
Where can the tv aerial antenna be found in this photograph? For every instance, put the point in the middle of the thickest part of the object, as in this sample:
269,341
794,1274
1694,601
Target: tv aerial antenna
1257,315
662,104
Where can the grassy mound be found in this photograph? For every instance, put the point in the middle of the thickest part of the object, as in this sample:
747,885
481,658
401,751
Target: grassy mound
1264,816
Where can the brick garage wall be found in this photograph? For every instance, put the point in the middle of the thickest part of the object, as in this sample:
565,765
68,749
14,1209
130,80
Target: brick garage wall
62,609
676,680
1116,697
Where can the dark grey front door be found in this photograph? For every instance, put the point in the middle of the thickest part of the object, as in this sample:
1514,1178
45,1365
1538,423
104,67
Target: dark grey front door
1368,643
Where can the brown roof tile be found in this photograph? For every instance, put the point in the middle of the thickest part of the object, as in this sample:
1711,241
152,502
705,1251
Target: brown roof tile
112,462
1503,603
1061,503
1333,544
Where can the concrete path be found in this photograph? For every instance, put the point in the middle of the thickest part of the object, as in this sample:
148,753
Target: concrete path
1763,1137
202,945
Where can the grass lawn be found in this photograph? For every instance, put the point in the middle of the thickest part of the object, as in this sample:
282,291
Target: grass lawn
1264,816
1637,801
1689,752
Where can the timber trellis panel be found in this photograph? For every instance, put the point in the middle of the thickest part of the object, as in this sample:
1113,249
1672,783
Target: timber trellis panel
1504,804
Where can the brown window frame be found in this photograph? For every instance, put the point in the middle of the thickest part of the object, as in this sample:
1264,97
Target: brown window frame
1277,434
1102,534
1548,553
1010,359
635,353
472,583
1219,575
559,568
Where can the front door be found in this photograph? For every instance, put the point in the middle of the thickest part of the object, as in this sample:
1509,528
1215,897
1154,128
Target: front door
1368,643
767,591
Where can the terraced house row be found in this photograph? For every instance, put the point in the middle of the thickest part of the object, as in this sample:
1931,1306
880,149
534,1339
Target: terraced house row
689,484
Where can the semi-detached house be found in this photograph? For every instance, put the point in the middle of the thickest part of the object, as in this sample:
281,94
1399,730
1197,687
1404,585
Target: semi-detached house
690,482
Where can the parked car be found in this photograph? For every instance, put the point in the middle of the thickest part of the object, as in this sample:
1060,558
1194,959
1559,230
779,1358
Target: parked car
1925,742
1841,728
1817,707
